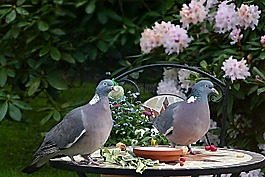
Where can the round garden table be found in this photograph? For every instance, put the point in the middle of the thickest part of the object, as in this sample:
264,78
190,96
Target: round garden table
222,161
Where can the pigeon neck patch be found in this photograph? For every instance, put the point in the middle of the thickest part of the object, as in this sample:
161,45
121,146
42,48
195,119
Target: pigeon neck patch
94,100
192,99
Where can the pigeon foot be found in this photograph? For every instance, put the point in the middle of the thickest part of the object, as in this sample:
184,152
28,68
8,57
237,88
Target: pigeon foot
89,161
193,152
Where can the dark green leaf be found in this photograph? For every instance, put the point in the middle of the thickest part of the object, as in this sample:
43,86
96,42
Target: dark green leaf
260,90
80,57
3,110
60,2
31,38
22,105
44,50
114,15
14,97
203,64
55,53
259,72
34,85
3,12
103,46
10,72
2,60
92,53
262,55
102,17
15,32
3,77
11,16
22,24
80,3
236,85
22,11
56,116
46,118
69,58
90,8
254,48
20,2
58,31
55,79
254,43
253,89
14,112
43,26
231,51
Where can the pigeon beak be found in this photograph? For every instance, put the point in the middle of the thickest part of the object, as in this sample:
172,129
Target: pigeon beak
114,89
215,91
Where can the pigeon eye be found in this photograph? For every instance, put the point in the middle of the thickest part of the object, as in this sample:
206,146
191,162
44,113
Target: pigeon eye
104,83
206,86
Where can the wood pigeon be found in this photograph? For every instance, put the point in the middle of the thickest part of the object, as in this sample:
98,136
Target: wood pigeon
82,131
185,122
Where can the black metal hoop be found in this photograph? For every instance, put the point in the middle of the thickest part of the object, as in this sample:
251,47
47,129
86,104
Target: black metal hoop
224,86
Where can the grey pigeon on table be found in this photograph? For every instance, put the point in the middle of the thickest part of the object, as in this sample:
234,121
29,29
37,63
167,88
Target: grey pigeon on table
82,131
185,122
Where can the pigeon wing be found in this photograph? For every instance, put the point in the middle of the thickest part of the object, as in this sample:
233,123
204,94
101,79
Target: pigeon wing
164,122
63,135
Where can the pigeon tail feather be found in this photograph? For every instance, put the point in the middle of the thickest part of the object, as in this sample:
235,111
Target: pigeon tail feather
31,168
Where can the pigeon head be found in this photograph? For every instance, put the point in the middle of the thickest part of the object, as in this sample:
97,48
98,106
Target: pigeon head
104,87
202,89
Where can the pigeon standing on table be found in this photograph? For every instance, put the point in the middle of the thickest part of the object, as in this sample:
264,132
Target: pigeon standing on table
185,122
82,131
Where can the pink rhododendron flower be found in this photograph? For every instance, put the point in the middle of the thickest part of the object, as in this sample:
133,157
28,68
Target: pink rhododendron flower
248,16
183,76
235,69
235,36
176,40
162,28
173,38
150,40
169,86
226,17
262,39
193,13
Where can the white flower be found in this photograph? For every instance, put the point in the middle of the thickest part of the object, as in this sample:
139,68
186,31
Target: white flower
193,13
141,131
235,36
226,17
248,16
235,69
134,142
154,132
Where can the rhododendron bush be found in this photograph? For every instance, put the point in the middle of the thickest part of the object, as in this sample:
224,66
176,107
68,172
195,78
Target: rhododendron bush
225,39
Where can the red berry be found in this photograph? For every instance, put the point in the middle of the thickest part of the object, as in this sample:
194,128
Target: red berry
181,163
182,159
207,148
213,148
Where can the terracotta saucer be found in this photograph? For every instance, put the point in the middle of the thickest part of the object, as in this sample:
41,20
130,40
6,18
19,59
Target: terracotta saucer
161,153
